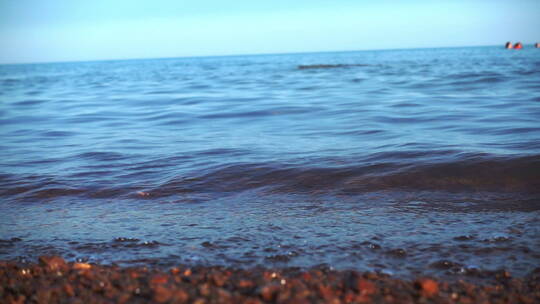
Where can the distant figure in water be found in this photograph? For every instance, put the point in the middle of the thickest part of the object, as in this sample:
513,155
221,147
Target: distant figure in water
518,46
508,45
537,45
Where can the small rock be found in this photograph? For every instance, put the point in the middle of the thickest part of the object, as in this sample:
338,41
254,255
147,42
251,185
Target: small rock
245,284
81,266
268,292
20,299
52,262
180,296
204,290
325,291
124,298
429,287
159,279
397,252
69,290
218,279
162,294
366,287
464,237
224,295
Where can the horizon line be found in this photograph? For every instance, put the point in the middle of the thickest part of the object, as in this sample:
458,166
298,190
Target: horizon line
240,55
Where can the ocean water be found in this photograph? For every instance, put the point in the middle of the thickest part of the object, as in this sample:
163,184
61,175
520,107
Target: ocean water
422,161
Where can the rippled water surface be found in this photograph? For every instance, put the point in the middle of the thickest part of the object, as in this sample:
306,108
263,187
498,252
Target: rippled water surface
403,161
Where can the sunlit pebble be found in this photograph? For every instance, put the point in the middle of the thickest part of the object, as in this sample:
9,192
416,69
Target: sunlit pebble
274,275
283,282
499,238
101,284
58,273
25,271
373,246
142,193
387,272
137,291
81,266
150,243
469,268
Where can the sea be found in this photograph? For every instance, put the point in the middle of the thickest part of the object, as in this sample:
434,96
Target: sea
405,162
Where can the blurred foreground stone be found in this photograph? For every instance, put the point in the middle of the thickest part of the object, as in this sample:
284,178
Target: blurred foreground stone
54,280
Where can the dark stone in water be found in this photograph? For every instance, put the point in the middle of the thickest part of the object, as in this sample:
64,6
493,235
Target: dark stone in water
397,252
9,243
278,258
208,244
123,239
444,264
464,238
150,243
497,239
372,246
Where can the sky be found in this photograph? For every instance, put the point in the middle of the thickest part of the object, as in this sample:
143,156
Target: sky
73,30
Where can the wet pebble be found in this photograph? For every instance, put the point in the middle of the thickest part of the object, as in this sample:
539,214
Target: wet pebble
81,266
366,287
445,264
464,238
52,262
162,294
398,252
429,287
124,239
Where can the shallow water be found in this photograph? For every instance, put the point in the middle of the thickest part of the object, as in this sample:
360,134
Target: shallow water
401,161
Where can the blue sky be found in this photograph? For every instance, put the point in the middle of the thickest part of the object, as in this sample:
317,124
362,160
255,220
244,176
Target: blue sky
71,30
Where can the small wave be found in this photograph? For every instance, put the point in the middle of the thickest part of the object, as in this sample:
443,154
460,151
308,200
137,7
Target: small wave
31,102
511,175
102,156
329,66
119,243
37,188
57,134
261,113
466,174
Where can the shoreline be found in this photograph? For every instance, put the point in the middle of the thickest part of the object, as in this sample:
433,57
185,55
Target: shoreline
53,280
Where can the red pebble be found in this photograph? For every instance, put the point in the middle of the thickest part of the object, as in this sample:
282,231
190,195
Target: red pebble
366,287
429,287
159,279
162,294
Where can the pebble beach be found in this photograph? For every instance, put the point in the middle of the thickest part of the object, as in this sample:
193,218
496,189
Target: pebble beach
53,280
